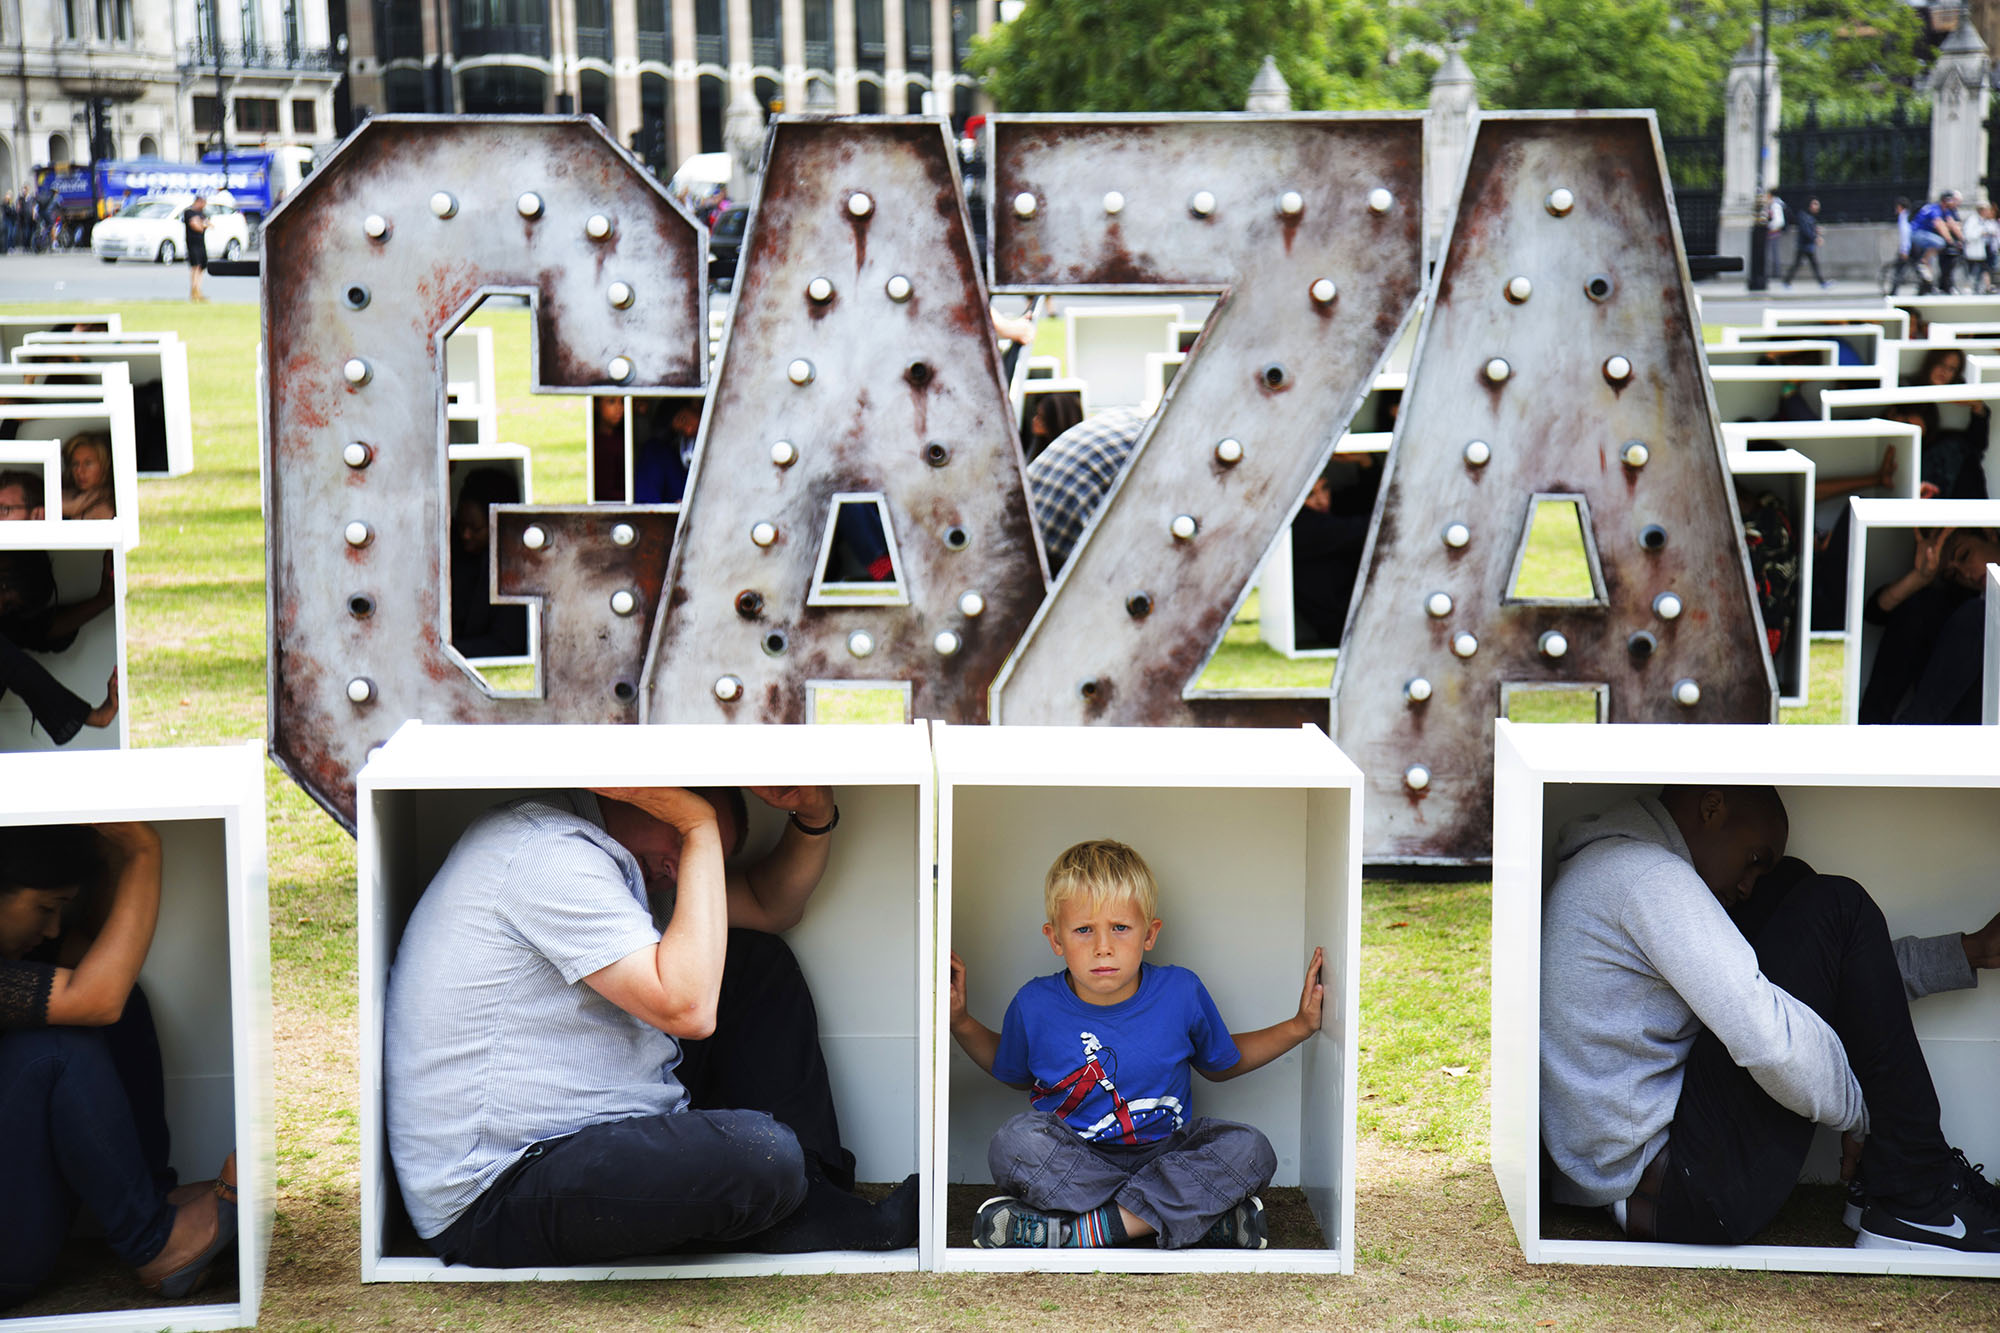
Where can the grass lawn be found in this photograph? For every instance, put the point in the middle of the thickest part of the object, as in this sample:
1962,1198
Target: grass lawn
1435,1248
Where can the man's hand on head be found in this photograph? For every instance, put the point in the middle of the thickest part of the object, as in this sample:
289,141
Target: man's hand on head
676,806
1982,946
814,805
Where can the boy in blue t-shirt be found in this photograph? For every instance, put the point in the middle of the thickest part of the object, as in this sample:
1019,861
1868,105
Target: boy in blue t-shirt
1109,1153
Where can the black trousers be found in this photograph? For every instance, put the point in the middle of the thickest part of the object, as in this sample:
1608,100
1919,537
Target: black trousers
1735,1153
759,1130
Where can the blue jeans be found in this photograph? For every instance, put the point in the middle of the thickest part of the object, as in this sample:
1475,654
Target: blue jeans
83,1118
1179,1185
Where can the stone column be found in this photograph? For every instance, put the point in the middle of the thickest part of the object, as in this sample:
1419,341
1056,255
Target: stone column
626,115
896,40
943,56
687,94
1447,136
1269,93
984,13
737,16
1740,147
792,52
1959,98
844,98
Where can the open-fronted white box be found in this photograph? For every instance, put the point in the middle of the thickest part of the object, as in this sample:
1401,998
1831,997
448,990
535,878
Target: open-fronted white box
1938,788
1907,359
1839,449
1951,402
1803,351
1948,309
1758,393
472,396
59,412
865,943
1894,323
149,364
1881,549
1989,711
14,329
76,553
1108,347
1866,344
207,978
1032,394
1278,621
462,460
1255,839
1787,474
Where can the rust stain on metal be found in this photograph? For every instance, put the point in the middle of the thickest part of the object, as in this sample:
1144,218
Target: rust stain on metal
423,274
861,424
1555,415
1288,425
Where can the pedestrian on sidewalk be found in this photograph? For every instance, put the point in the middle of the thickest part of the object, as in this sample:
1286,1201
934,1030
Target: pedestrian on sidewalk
1808,245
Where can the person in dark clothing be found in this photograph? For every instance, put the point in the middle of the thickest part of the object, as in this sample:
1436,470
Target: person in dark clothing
1808,245
82,1092
478,627
31,622
196,223
1327,539
1928,662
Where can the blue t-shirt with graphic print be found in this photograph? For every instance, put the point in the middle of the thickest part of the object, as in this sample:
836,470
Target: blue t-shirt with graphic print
1115,1073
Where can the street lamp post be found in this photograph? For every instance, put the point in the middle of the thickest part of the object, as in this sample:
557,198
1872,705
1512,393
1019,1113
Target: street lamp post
1759,279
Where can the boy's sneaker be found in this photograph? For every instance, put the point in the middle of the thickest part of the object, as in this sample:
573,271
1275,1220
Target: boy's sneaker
1005,1223
1243,1227
1951,1217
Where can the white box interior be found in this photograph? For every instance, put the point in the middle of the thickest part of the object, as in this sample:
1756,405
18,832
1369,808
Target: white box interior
207,978
14,329
1869,342
1881,549
1746,394
472,404
1908,358
1277,611
1747,353
864,944
1949,400
164,364
76,555
1108,347
1894,323
59,411
1936,786
1789,474
1254,837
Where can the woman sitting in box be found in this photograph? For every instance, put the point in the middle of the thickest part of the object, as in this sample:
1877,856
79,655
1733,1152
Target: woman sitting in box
82,1095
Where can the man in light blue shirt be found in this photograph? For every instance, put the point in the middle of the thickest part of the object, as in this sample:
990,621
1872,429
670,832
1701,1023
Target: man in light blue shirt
567,1082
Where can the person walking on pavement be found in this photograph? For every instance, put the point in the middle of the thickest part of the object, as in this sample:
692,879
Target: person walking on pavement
196,220
1808,245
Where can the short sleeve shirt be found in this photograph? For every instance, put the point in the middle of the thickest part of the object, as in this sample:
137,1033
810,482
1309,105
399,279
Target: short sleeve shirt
1115,1073
492,1040
1929,218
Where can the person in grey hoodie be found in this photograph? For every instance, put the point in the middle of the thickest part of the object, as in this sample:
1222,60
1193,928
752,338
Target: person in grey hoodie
1706,1002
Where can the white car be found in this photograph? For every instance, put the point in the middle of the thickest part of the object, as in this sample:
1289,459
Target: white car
155,229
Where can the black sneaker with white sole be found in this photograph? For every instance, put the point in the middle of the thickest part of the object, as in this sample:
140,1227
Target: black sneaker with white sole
1952,1217
1970,1174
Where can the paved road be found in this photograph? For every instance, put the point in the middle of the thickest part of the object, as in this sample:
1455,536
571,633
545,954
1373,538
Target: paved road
82,277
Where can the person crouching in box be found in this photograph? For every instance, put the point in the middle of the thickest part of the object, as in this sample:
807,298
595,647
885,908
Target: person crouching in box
1110,1152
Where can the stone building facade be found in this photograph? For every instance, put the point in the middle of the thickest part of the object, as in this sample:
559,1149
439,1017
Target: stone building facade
661,74
138,78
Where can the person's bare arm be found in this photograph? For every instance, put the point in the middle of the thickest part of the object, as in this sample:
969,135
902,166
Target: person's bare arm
675,984
93,993
1826,488
1922,573
973,1037
1982,946
1264,1045
771,894
107,712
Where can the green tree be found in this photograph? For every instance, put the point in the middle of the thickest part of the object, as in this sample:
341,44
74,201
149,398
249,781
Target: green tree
1594,54
1140,55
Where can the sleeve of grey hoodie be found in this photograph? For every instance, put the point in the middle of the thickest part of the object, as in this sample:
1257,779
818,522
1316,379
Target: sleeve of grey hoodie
1786,1047
1933,963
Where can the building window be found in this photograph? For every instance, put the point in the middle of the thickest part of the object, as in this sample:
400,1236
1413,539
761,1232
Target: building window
114,20
59,154
148,146
205,120
257,115
500,90
293,41
403,90
305,116
917,34
73,20
655,38
204,25
253,23
871,46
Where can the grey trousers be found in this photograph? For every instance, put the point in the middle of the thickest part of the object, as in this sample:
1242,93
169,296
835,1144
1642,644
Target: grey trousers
1180,1184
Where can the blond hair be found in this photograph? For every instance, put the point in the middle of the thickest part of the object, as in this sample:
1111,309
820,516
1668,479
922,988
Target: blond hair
1100,870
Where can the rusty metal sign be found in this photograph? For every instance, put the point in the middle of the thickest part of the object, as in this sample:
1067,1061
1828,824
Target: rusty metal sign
1310,227
858,512
1559,359
367,266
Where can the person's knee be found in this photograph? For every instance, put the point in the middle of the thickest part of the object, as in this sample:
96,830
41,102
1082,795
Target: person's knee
1245,1146
58,1050
767,1164
1026,1138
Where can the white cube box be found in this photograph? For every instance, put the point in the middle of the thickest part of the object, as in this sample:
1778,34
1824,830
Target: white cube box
14,329
1278,622
1867,342
472,399
58,412
76,552
1788,474
865,943
1108,347
1936,787
1804,351
462,460
1749,394
1881,548
1255,838
1989,711
1894,323
1948,400
207,977
1948,309
1907,359
164,364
